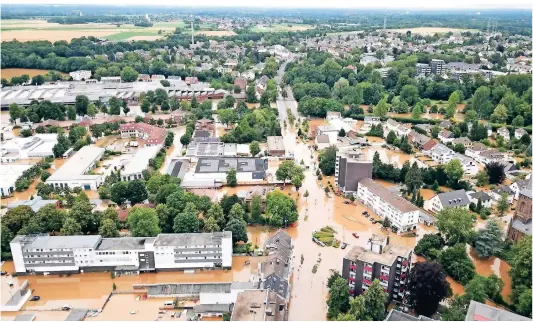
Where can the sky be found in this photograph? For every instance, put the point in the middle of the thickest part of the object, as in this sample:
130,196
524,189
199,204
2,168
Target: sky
383,4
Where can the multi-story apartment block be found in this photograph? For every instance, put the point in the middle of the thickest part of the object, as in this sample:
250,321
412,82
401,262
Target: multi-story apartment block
402,214
44,254
423,69
351,166
390,264
438,66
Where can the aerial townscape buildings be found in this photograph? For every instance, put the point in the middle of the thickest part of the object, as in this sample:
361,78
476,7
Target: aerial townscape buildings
233,164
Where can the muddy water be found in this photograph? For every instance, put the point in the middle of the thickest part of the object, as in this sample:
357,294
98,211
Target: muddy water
492,265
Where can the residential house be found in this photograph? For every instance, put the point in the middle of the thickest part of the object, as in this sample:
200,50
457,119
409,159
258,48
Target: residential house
259,305
261,84
521,223
446,124
322,141
248,195
498,192
372,120
446,136
452,199
521,185
331,115
490,156
520,132
504,133
441,153
275,146
475,151
417,139
274,273
464,141
486,199
470,168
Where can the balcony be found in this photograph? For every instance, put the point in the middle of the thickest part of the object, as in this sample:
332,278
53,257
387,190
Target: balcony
367,282
384,283
405,262
353,267
404,269
385,269
351,279
384,277
368,269
403,275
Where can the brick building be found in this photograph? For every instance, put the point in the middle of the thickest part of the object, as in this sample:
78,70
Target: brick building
521,223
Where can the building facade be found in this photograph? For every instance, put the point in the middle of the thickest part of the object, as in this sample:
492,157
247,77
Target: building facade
402,214
350,168
390,264
521,223
44,254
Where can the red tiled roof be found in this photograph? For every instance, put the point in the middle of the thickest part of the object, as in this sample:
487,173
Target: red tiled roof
156,135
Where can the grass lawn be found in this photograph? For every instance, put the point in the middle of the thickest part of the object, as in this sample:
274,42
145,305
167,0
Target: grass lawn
128,34
173,24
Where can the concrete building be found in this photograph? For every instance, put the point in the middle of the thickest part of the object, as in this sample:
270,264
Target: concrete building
275,272
390,264
423,69
482,312
275,146
260,191
248,169
521,223
452,199
35,204
37,146
80,75
10,174
330,131
259,305
74,173
44,254
152,134
350,168
402,214
134,168
438,66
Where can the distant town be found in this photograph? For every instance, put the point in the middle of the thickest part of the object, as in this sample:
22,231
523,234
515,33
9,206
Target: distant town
166,163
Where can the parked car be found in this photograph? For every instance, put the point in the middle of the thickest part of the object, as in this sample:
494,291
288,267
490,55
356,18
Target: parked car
3,273
365,212
346,202
343,245
318,242
35,298
355,235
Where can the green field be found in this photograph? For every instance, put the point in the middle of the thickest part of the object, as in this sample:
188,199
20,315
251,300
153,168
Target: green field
282,27
128,34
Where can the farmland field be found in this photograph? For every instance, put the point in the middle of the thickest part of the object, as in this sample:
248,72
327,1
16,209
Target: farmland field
8,73
281,27
29,30
430,30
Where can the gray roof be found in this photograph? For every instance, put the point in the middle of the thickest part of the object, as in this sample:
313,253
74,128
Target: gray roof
35,204
476,195
25,317
275,143
55,242
482,312
191,239
178,168
212,308
526,192
524,184
217,165
77,165
322,138
124,243
395,315
503,189
455,198
202,134
395,201
521,226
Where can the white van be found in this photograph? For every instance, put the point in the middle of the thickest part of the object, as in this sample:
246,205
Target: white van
169,303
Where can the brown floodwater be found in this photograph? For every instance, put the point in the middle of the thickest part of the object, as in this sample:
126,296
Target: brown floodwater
493,265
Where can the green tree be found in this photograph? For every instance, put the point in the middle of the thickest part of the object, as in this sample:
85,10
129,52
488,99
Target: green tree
453,100
455,224
236,212
231,177
339,299
136,191
500,114
15,111
71,227
114,106
391,137
371,305
238,230
495,172
326,160
475,289
91,110
502,204
254,148
211,225
520,272
454,170
255,210
82,105
489,240
128,74
187,221
429,246
482,179
427,287
145,106
381,109
413,178
71,113
481,101
417,112
457,264
143,222
281,209
456,309
217,213
119,192
185,139
108,229
17,217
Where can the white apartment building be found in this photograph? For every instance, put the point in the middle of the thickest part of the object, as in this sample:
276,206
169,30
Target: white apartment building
328,130
402,214
80,75
441,153
75,172
44,254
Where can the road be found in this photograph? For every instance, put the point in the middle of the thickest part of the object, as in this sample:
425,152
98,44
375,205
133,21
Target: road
282,103
175,150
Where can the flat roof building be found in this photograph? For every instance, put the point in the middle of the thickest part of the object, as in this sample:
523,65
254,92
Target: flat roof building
133,169
88,253
275,145
9,173
74,173
259,305
350,167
